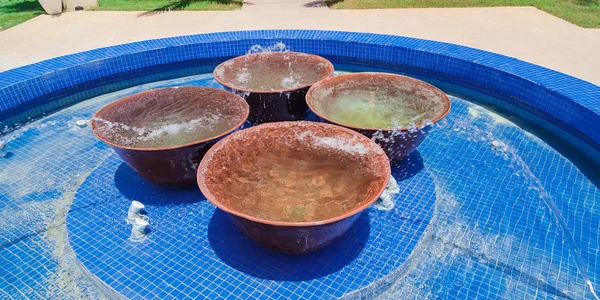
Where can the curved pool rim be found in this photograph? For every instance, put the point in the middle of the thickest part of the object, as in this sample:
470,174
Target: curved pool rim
565,102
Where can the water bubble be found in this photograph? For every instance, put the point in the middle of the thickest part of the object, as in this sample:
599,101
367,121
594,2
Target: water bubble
255,49
277,47
81,123
412,127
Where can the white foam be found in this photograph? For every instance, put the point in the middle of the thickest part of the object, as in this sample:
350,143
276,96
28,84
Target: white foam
220,72
243,76
473,112
290,82
349,145
146,134
277,47
386,200
174,129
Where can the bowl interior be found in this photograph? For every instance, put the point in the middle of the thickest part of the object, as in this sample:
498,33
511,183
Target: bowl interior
169,117
294,172
377,100
273,71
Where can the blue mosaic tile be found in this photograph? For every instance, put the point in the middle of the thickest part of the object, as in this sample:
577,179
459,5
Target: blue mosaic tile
223,261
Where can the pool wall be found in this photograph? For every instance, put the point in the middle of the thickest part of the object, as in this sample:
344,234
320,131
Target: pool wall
564,102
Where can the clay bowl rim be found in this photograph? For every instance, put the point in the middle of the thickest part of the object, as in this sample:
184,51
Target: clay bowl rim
330,70
202,167
128,98
310,99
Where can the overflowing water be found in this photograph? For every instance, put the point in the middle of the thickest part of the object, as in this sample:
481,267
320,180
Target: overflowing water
376,101
292,176
167,132
277,47
262,74
347,145
365,109
272,69
169,117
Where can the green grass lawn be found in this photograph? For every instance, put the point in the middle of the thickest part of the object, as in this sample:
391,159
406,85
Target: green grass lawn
585,13
167,5
13,12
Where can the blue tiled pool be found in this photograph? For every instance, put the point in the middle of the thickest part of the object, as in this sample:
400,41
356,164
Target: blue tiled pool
471,220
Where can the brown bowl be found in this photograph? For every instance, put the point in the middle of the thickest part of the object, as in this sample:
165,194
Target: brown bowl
381,106
294,187
163,134
274,83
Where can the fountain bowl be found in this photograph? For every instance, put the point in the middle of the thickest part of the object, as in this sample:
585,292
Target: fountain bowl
273,83
163,134
381,106
294,187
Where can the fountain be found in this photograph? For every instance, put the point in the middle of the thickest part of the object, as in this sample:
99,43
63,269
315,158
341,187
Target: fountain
395,111
163,134
274,83
508,215
294,187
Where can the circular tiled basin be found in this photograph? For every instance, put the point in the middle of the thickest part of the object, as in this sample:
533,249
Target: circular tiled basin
163,134
274,83
294,187
396,111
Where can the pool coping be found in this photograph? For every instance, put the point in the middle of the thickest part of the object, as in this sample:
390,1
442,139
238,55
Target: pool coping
560,99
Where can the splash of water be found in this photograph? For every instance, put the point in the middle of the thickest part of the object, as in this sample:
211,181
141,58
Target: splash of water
287,80
554,211
241,93
163,134
277,47
387,199
338,143
509,154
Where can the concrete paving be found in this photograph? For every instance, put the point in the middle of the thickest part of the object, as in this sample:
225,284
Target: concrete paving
285,5
522,32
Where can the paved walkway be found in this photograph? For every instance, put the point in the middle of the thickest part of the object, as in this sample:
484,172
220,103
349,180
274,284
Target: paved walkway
522,32
279,5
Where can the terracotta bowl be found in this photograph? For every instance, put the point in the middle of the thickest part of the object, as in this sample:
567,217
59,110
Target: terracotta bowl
294,187
273,83
395,111
163,134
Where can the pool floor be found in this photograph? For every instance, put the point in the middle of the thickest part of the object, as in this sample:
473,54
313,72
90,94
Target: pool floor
481,230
